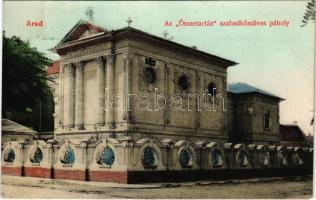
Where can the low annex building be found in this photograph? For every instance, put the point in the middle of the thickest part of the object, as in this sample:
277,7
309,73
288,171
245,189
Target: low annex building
12,131
134,107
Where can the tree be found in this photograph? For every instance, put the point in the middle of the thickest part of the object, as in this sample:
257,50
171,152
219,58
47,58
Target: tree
24,81
310,13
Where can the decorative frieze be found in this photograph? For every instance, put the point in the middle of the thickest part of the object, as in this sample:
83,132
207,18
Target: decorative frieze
86,51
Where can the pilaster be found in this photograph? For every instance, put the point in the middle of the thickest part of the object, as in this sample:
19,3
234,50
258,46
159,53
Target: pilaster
101,92
79,97
110,82
70,112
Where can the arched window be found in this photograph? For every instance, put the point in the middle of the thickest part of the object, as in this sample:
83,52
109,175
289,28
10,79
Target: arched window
216,158
38,156
183,82
149,158
150,75
107,156
10,156
69,156
266,119
184,158
211,89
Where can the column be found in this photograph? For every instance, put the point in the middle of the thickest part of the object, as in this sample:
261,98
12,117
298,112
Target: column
79,98
61,96
110,91
70,93
100,95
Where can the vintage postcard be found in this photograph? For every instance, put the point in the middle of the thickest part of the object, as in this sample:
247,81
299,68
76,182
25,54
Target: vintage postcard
157,100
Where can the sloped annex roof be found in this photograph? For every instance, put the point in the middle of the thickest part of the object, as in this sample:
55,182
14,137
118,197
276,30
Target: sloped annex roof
243,88
54,68
11,126
291,133
72,40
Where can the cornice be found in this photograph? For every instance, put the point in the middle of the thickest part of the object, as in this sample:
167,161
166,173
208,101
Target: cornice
133,34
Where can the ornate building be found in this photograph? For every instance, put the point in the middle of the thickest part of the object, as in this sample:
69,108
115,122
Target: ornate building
133,107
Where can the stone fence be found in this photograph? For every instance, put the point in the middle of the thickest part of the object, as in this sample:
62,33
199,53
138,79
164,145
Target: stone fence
148,159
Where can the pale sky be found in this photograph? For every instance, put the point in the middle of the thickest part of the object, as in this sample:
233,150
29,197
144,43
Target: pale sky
279,60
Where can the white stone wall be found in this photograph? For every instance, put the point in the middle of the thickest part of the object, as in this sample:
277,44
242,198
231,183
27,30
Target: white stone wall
125,77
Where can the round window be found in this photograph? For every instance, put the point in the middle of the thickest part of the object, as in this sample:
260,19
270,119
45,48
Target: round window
38,156
150,75
107,156
211,89
10,157
183,82
69,156
148,157
216,158
184,158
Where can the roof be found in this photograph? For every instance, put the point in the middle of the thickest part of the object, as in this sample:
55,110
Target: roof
291,133
73,41
11,126
54,68
244,88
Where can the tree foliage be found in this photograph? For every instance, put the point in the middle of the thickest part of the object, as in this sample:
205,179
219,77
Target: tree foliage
23,75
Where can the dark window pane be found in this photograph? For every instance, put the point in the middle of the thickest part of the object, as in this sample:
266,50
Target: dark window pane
267,119
211,89
183,82
150,75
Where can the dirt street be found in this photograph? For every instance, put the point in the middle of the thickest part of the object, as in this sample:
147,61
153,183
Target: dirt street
26,187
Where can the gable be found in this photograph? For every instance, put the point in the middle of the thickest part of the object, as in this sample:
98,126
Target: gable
81,30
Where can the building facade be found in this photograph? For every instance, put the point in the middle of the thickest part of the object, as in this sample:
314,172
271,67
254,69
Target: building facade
133,107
